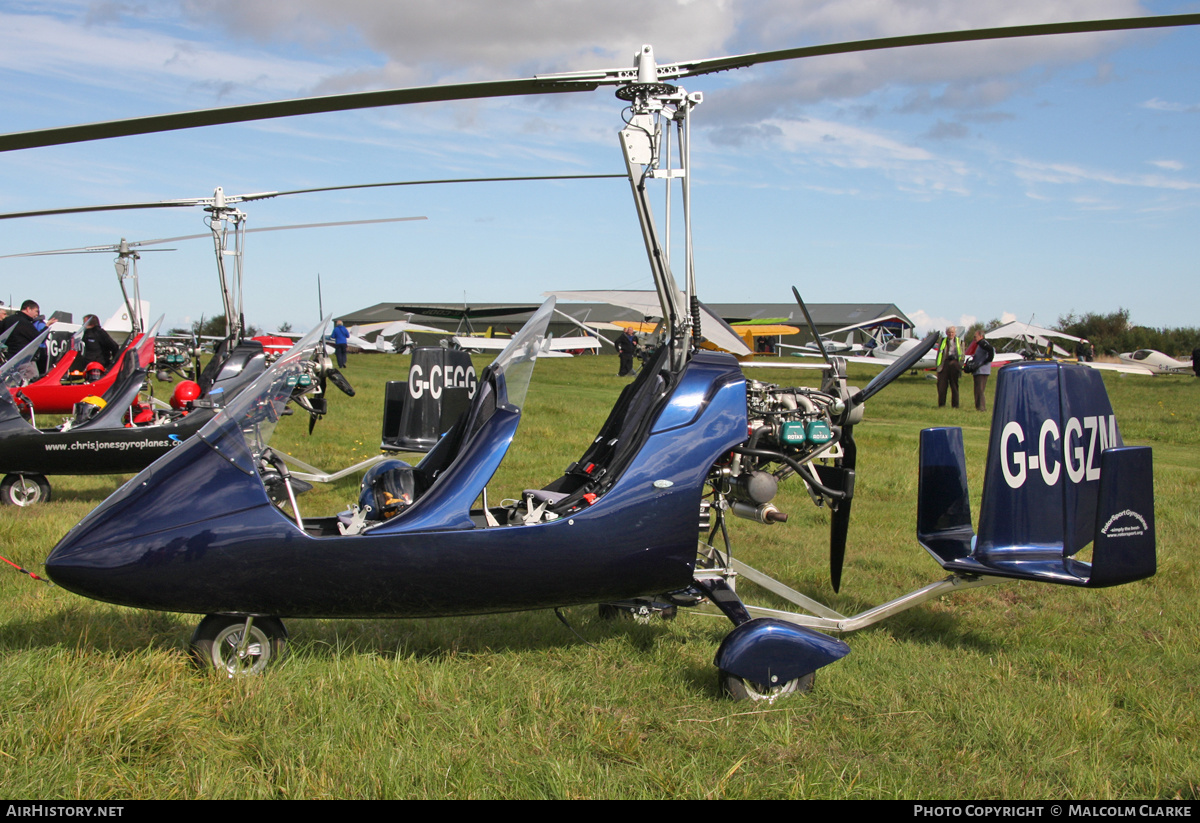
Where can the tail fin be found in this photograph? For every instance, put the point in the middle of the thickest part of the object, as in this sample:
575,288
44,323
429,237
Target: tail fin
441,384
1058,478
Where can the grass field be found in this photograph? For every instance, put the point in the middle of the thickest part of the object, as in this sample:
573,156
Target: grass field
1012,691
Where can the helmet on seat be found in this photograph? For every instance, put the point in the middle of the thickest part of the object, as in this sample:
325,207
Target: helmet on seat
387,489
185,394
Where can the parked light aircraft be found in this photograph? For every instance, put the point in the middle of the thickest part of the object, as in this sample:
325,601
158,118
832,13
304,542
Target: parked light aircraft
648,304
388,334
747,333
551,346
883,328
882,356
1034,342
1156,362
690,439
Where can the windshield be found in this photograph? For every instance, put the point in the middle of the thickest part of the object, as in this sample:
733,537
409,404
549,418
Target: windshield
515,363
12,374
145,346
257,409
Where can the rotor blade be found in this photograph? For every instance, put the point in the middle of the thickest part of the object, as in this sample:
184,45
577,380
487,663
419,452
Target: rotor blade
86,250
142,243
449,180
812,328
282,108
83,209
265,195
543,84
671,71
897,368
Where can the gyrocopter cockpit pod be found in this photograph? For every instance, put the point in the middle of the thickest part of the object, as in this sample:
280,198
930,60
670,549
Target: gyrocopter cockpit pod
457,469
438,491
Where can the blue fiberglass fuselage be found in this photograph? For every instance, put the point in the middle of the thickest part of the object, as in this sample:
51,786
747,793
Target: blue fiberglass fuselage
197,533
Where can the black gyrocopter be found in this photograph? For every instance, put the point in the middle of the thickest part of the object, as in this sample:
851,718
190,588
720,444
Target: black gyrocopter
691,440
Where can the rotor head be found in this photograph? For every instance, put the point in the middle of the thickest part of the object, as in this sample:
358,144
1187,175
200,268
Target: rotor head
647,84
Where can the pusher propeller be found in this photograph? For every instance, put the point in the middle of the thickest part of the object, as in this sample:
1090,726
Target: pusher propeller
317,405
840,476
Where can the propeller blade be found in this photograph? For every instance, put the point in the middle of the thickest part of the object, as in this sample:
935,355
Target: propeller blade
317,404
338,379
543,84
841,478
897,368
812,328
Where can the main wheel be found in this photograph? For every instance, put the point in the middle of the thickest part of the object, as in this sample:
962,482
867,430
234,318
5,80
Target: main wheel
641,613
217,642
24,489
740,689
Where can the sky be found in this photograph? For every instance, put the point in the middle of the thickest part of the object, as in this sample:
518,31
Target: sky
1025,179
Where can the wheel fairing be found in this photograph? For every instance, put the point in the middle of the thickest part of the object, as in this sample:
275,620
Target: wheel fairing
768,651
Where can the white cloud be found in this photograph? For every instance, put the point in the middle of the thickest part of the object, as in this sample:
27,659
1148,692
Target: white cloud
1163,105
1169,165
143,59
925,322
1068,173
849,147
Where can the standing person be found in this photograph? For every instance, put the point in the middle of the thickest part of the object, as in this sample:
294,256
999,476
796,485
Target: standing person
626,346
341,336
98,346
980,356
22,324
949,366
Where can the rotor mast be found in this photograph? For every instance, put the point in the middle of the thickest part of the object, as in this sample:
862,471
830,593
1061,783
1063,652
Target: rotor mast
228,224
126,266
646,145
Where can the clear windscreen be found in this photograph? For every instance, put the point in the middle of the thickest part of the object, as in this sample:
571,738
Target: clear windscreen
145,346
515,363
12,373
256,410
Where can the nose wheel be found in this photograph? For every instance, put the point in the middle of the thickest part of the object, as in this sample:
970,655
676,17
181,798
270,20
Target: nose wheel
24,490
238,645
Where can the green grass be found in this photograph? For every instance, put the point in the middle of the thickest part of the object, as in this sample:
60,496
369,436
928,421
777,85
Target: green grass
1012,691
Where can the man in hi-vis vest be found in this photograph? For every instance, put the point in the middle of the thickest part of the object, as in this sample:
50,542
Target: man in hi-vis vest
949,366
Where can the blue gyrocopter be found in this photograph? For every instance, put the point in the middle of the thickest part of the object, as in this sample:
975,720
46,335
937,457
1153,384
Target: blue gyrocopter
690,441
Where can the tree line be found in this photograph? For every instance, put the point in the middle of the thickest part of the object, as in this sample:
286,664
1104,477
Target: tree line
1113,333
